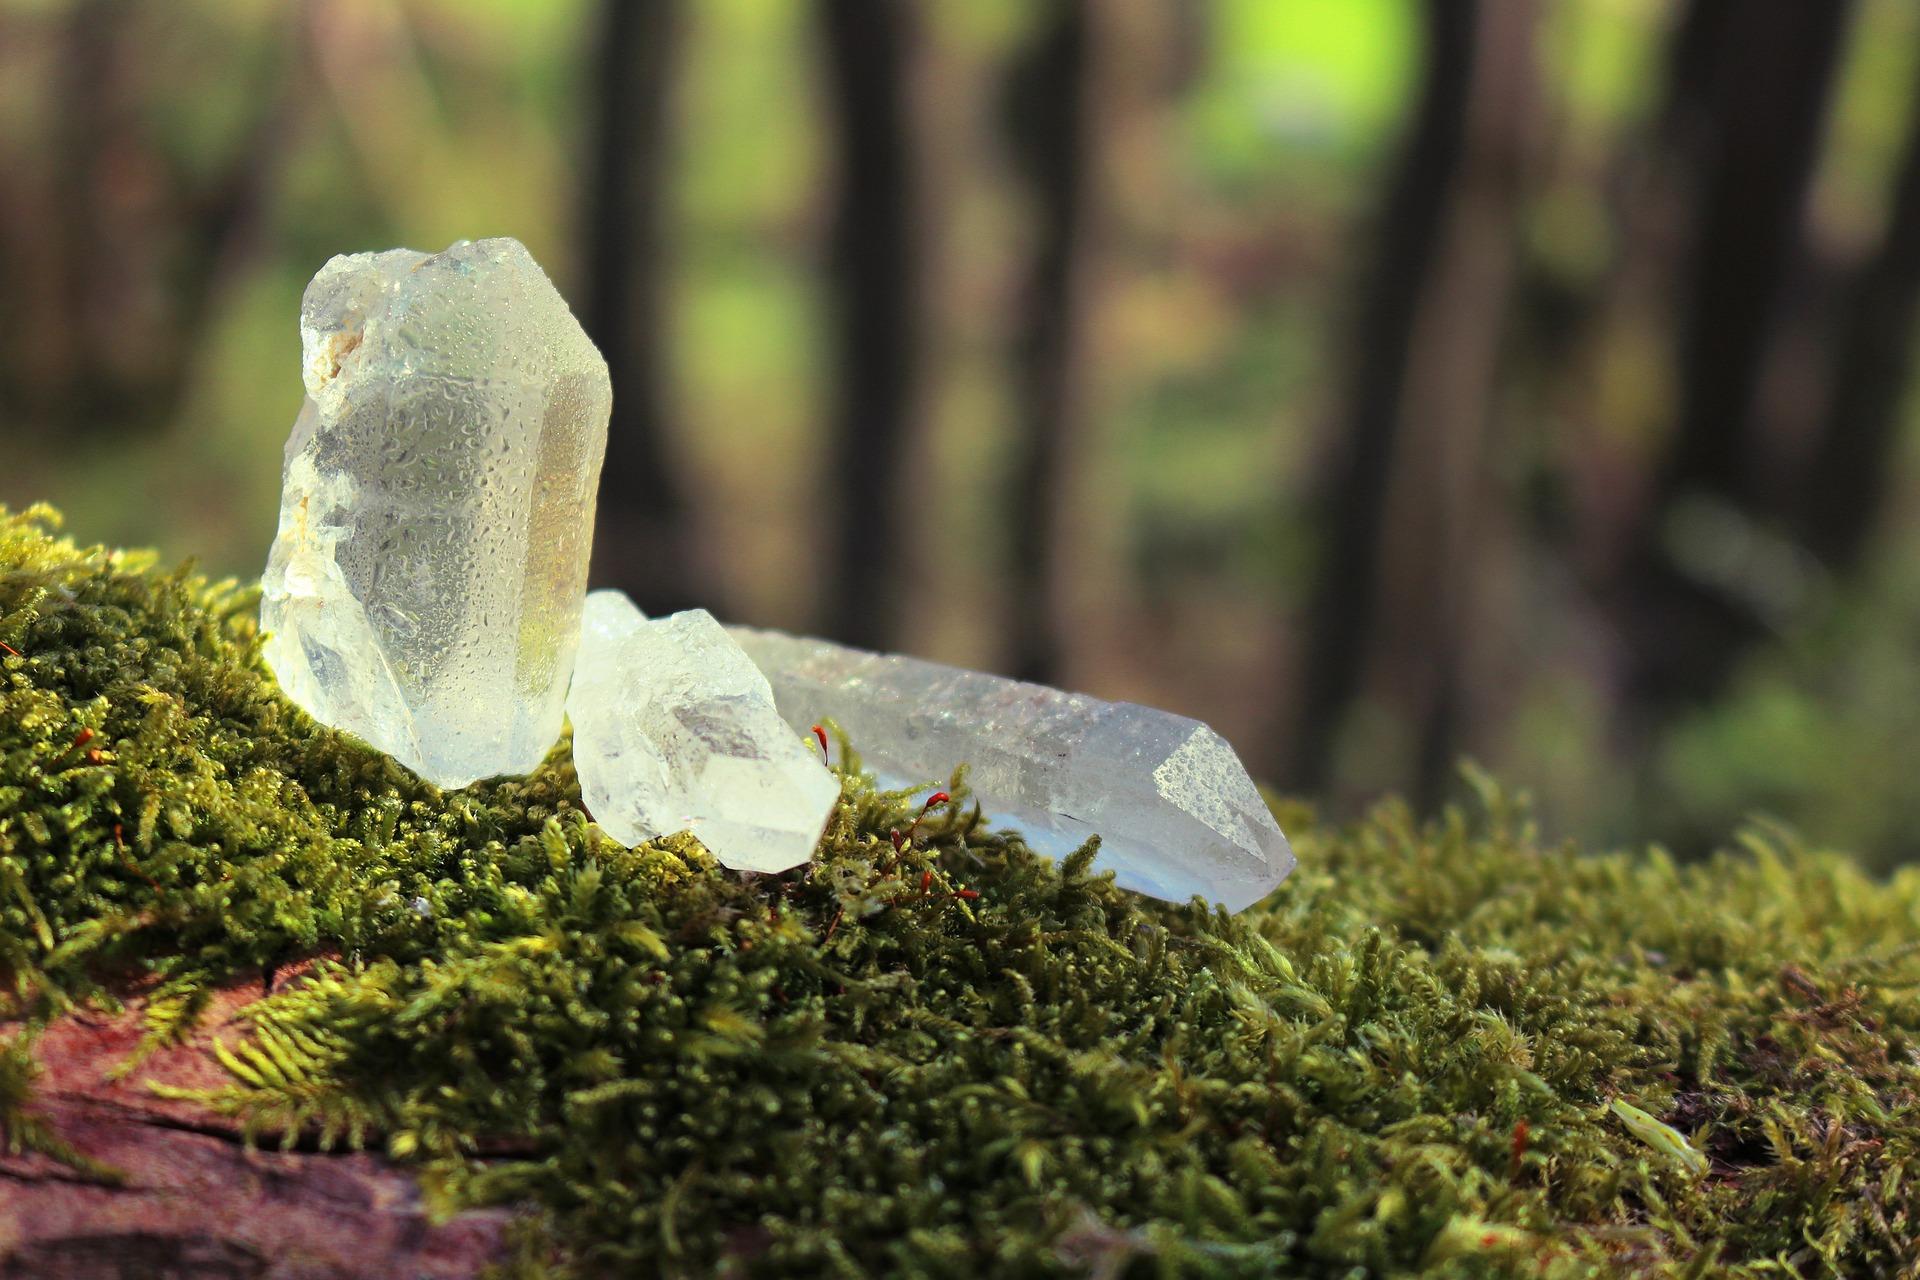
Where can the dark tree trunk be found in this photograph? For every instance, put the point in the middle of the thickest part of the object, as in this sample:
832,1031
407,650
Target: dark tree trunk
644,542
1696,54
1411,225
90,90
1454,515
876,306
1768,70
1772,94
1846,484
1592,475
132,250
1046,124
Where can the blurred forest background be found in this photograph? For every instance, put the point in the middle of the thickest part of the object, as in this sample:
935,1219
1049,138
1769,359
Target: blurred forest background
1383,381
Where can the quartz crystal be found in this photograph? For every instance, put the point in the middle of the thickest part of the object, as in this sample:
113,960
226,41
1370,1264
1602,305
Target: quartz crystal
1176,813
436,511
674,729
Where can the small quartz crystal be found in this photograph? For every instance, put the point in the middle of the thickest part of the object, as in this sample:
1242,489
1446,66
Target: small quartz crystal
436,510
674,729
1175,811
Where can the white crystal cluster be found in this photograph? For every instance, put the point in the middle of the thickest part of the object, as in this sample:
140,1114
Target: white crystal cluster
427,592
1175,811
437,507
674,729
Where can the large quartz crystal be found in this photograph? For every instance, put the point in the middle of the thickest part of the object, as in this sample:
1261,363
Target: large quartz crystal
424,590
1175,811
674,729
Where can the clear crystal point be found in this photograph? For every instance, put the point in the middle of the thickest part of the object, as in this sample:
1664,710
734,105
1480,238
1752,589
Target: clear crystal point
1175,811
674,729
436,512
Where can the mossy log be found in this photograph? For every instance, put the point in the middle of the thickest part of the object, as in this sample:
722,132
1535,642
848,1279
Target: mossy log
1446,1049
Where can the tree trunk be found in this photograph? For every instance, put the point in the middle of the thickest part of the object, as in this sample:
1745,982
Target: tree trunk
874,283
1769,76
1402,271
644,541
117,258
1847,481
1047,123
1447,511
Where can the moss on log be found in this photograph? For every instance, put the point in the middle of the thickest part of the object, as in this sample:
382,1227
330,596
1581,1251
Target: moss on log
1440,1050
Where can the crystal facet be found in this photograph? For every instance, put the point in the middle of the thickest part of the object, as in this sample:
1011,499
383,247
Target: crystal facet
674,729
1176,813
436,512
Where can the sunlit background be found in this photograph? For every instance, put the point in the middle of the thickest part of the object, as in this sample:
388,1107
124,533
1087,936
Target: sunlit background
1384,382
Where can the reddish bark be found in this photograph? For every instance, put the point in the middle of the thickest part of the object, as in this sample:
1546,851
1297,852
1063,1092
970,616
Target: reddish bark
195,1200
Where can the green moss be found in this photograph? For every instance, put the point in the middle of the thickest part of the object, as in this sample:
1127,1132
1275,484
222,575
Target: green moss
1439,1051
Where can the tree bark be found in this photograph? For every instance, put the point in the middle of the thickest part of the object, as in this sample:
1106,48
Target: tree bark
1411,224
644,542
875,300
1768,75
1047,123
174,1191
1847,479
118,253
1447,503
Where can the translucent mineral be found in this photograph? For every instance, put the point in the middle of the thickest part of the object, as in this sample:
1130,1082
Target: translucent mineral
1175,811
436,511
674,729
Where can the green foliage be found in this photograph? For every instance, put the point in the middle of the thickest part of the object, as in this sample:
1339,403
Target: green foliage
1437,1051
1815,729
